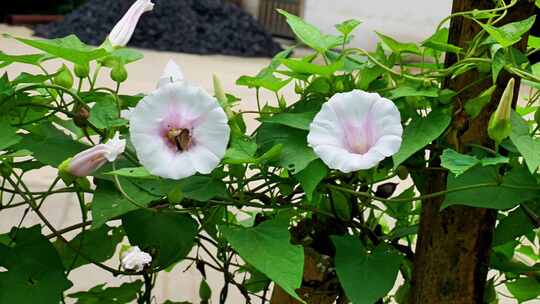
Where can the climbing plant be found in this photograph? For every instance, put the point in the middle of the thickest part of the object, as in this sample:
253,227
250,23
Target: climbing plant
405,174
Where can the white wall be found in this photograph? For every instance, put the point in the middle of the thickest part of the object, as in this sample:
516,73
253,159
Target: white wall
404,20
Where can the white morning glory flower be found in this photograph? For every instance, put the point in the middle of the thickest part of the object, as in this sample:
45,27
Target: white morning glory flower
179,129
91,159
355,131
135,259
123,30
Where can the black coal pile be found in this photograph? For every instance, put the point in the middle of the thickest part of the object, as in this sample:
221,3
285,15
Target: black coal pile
190,26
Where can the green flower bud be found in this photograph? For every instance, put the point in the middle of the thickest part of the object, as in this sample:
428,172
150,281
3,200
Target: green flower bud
204,291
339,86
82,71
298,89
119,73
64,174
402,172
63,77
499,126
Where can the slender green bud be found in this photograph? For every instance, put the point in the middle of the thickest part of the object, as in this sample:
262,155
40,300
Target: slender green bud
221,97
119,73
82,70
499,126
63,77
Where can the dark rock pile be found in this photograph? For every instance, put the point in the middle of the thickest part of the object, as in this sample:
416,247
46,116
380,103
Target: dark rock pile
190,26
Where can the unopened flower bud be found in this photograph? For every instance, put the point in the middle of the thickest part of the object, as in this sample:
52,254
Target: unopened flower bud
63,77
135,259
82,70
81,115
119,73
402,172
204,291
499,126
123,30
221,97
88,161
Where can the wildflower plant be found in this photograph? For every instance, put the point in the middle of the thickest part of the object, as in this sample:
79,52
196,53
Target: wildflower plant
322,202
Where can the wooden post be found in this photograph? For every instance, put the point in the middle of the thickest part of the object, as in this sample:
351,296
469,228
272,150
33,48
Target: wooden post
453,248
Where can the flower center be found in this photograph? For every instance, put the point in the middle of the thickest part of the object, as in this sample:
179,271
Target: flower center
180,138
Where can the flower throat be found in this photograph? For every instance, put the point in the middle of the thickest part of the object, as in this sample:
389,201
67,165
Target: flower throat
181,138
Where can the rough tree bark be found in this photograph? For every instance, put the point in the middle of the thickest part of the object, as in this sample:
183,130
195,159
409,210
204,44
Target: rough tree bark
453,248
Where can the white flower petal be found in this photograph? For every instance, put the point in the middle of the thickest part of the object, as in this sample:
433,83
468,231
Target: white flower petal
171,74
355,131
203,160
115,147
135,259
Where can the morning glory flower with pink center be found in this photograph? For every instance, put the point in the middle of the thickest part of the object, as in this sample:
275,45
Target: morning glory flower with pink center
123,30
355,131
88,161
179,129
135,259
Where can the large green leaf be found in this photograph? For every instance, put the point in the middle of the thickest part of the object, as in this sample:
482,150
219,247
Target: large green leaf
311,176
310,35
456,162
510,33
8,135
296,155
294,120
135,172
104,114
399,47
516,224
420,132
35,273
503,196
474,106
267,247
69,48
303,67
99,245
409,90
365,276
203,188
346,27
123,294
109,203
168,235
524,289
439,41
241,151
33,59
498,59
534,42
121,56
265,78
525,143
50,145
